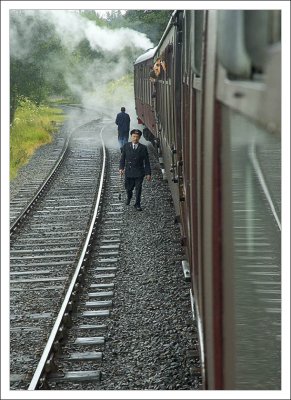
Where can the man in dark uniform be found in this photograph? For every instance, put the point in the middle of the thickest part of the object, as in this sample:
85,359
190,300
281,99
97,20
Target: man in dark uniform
123,122
135,164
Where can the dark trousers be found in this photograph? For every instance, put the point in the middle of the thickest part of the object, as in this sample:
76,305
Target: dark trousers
122,138
130,184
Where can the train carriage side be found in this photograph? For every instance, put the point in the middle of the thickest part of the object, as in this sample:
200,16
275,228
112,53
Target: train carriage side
217,112
190,174
167,105
230,134
144,92
247,130
159,112
178,112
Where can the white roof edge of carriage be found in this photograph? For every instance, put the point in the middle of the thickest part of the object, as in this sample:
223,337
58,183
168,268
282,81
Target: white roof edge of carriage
147,55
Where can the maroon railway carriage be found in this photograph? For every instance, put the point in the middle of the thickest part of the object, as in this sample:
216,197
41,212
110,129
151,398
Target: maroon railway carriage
209,94
144,93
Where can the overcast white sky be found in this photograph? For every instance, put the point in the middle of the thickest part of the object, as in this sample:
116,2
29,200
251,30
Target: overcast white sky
102,13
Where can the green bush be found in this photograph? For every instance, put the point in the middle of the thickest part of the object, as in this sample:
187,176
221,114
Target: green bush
32,127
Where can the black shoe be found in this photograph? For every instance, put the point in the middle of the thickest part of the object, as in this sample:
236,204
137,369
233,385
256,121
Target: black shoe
127,202
138,208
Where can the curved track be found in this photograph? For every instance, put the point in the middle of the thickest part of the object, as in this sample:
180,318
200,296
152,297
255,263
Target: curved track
66,282
46,248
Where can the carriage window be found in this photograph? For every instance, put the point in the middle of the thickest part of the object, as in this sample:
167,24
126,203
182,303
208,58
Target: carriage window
186,40
262,28
256,266
231,51
243,38
168,57
140,81
144,83
196,56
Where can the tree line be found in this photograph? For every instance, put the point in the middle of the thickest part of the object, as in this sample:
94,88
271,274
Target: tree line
41,72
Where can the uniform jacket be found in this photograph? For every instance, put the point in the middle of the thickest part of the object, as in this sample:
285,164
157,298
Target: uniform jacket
123,122
135,162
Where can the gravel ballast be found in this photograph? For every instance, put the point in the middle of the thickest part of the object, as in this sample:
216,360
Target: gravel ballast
151,331
151,334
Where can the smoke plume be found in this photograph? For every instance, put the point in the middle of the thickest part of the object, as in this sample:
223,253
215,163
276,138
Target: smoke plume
95,83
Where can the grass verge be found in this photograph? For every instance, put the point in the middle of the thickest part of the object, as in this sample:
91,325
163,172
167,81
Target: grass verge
32,127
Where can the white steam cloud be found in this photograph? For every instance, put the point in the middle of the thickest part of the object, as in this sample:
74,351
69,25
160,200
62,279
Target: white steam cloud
88,81
72,28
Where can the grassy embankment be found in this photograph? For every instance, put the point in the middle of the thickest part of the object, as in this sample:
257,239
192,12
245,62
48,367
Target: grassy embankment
32,127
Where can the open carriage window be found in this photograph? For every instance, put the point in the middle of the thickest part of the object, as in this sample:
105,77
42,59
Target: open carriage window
168,56
163,65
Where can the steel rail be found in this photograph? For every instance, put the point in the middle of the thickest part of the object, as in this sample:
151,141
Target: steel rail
47,350
196,317
52,172
260,176
48,179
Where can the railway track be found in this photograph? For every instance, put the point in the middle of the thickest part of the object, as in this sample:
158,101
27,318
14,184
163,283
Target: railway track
20,193
48,256
79,364
257,235
67,258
